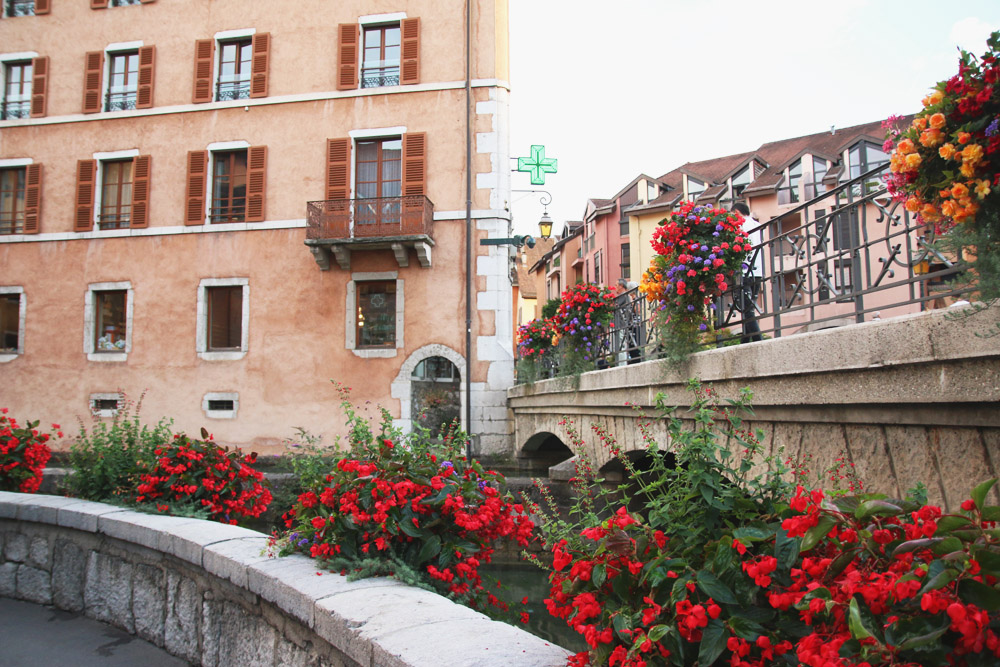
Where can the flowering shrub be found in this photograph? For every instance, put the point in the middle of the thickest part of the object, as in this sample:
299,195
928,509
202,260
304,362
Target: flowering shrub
699,250
536,344
586,311
201,474
714,566
23,454
409,507
946,163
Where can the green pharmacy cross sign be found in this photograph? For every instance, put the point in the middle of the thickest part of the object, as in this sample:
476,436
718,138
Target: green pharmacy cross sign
537,165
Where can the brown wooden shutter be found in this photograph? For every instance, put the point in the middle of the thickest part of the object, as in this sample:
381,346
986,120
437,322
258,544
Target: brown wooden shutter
147,70
414,164
39,85
347,57
94,68
256,182
261,63
338,169
197,181
86,179
42,7
33,199
409,30
98,4
204,50
140,192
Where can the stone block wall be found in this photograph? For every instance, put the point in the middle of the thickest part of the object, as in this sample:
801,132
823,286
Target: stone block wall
209,594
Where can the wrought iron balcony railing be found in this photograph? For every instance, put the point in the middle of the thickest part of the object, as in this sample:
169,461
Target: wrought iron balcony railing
114,220
232,90
15,109
382,217
378,77
20,8
12,223
120,101
846,256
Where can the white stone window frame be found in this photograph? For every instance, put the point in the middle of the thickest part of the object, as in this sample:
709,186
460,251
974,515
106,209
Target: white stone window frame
102,159
115,49
90,316
220,38
351,318
22,310
220,147
105,396
201,341
233,396
9,58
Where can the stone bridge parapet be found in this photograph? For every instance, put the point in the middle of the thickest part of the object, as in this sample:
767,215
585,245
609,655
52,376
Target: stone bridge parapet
910,399
206,593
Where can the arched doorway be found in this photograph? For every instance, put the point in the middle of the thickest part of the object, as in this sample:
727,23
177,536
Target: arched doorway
435,394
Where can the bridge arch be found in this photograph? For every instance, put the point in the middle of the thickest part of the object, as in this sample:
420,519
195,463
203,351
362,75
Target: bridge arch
542,451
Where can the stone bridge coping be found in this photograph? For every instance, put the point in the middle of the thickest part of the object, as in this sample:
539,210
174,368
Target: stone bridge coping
377,621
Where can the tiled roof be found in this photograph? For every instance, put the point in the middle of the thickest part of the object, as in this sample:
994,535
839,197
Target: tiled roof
716,169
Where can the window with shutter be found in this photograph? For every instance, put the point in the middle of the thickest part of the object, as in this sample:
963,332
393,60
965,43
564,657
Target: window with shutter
204,52
13,200
380,56
39,86
338,169
18,89
229,186
260,66
116,178
93,66
415,164
147,69
410,29
347,57
235,65
123,81
194,196
256,182
86,176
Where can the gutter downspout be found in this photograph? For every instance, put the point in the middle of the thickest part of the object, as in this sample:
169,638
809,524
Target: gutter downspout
468,226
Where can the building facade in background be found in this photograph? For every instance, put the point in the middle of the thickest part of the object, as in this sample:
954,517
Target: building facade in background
226,205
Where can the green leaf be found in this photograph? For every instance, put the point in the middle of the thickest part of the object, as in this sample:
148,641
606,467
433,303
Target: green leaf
947,545
431,548
745,628
713,641
991,513
817,533
862,621
840,563
786,550
723,556
979,493
599,575
911,633
714,588
871,508
939,580
407,527
657,632
988,560
913,545
946,524
979,594
752,534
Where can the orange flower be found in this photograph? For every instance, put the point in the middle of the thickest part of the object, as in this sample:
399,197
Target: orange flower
913,161
959,190
982,189
944,194
919,123
931,137
948,208
929,212
963,137
972,153
937,121
895,162
905,147
933,98
967,169
912,204
947,151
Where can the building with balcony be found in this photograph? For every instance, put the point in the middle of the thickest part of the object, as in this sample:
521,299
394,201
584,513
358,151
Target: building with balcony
226,205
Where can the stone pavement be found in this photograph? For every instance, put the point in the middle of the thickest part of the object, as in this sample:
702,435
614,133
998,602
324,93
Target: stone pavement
38,635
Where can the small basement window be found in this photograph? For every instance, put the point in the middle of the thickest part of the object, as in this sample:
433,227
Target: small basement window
105,404
221,404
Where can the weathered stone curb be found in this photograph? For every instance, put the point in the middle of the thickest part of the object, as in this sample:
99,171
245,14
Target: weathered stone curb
204,592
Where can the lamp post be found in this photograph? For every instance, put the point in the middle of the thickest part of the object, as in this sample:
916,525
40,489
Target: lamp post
544,225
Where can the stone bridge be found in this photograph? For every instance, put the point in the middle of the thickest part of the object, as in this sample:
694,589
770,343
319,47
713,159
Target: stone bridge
907,400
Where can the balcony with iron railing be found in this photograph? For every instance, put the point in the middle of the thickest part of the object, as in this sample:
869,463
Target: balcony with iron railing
232,90
379,77
11,222
119,101
117,220
340,226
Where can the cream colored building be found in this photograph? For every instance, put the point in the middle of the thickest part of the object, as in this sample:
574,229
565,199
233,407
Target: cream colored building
157,164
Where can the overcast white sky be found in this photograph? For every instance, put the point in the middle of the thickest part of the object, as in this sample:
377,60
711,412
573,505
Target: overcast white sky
615,88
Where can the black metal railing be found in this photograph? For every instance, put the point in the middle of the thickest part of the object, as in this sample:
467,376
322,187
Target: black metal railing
232,90
15,109
120,101
12,223
378,77
847,256
114,220
20,7
230,212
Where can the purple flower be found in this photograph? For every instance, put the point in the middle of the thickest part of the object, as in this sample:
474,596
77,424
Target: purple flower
698,260
712,256
702,327
691,308
704,248
993,127
745,266
715,233
303,542
718,228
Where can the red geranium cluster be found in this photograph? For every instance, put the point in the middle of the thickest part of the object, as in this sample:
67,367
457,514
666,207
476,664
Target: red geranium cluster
396,499
23,454
585,311
202,473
